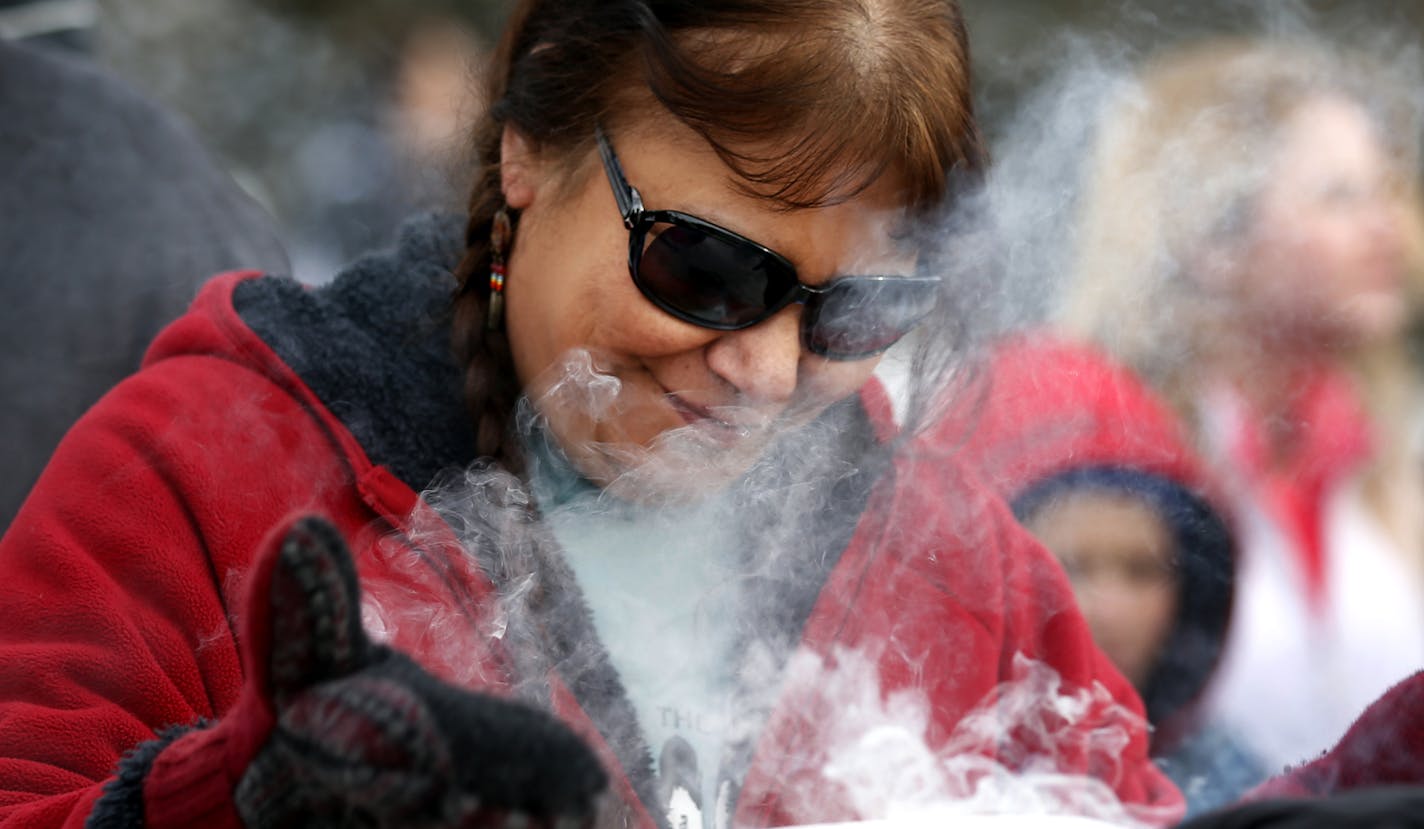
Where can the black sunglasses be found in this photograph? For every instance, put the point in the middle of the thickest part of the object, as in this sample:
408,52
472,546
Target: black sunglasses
712,277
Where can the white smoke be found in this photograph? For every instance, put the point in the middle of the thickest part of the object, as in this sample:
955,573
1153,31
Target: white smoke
1020,752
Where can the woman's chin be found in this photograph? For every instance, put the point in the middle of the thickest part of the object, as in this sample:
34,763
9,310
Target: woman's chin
1376,316
1361,321
677,466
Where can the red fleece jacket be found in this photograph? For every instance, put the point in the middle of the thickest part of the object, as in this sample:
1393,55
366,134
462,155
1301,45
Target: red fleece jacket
1384,747
124,569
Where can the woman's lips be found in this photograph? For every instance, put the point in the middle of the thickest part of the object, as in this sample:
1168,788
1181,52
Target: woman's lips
704,420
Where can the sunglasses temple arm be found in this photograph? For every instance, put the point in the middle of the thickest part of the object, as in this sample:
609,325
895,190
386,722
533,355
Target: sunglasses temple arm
630,203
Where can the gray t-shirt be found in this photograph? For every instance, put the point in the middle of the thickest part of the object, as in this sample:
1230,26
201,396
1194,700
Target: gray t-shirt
664,590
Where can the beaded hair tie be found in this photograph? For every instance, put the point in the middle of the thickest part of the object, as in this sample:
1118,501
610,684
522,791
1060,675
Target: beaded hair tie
501,234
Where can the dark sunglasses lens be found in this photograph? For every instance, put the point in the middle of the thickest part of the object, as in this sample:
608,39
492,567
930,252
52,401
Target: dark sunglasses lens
710,279
861,317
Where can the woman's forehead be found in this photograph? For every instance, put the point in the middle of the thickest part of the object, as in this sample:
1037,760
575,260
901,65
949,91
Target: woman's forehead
795,160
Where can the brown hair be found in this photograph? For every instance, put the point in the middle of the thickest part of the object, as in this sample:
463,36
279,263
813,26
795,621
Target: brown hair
845,89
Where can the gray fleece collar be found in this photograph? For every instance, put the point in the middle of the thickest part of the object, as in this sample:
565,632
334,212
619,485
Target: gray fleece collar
374,345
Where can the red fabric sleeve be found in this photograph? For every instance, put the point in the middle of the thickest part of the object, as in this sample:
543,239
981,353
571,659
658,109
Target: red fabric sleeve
956,603
121,567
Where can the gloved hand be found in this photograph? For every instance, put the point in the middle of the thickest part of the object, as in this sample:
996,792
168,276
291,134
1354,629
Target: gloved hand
334,730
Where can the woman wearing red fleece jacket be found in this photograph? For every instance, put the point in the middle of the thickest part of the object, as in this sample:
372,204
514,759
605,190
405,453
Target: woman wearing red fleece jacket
669,367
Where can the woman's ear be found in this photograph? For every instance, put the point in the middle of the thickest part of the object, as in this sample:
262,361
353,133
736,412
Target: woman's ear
518,169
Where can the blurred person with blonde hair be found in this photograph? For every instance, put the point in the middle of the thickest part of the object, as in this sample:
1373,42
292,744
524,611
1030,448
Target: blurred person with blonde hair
1248,234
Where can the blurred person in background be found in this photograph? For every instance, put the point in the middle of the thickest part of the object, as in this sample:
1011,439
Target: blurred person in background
1098,468
1246,245
113,216
343,118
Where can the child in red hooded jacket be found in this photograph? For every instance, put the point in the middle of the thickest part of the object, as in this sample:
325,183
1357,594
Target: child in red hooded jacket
1095,466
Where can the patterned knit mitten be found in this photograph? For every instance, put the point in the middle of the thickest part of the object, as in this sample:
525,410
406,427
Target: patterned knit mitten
363,736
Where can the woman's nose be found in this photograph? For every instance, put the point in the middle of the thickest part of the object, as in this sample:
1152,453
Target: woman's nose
763,361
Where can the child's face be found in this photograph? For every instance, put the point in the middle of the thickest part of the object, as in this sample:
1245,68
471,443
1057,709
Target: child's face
1118,554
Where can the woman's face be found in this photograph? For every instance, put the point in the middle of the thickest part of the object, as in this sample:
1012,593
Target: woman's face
644,403
1117,552
1327,257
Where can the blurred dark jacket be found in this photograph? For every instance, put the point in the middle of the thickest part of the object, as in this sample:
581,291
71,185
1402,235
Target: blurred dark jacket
1385,807
111,215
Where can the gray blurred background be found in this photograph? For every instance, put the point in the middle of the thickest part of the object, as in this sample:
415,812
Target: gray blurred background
342,116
